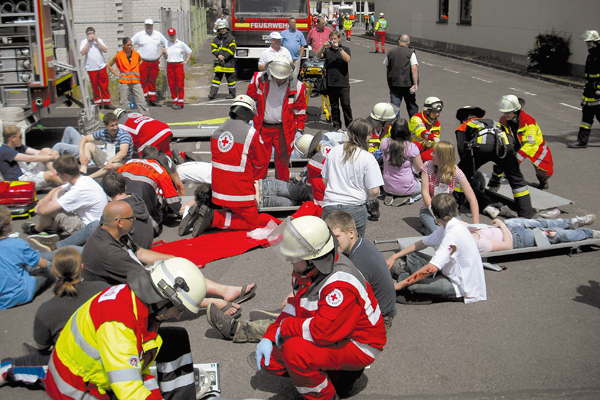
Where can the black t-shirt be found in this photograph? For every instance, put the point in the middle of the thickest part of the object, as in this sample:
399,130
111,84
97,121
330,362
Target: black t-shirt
8,166
53,315
108,260
337,68
370,262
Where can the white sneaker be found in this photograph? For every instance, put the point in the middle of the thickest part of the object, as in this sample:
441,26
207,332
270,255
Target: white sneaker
491,211
552,213
596,235
578,222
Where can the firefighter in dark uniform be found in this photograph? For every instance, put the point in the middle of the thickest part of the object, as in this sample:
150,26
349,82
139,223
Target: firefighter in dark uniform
591,93
480,140
223,48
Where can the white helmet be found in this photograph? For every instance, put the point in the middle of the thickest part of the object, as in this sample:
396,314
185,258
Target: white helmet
119,111
382,113
509,103
244,107
381,14
307,143
280,68
590,36
433,103
222,25
180,281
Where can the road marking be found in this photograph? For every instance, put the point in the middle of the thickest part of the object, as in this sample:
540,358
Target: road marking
519,90
223,102
513,88
449,70
481,79
568,105
531,94
431,65
356,80
214,121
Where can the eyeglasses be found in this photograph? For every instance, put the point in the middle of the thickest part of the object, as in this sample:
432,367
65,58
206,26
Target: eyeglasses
127,218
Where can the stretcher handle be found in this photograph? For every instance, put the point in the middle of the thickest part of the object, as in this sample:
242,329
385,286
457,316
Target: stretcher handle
385,241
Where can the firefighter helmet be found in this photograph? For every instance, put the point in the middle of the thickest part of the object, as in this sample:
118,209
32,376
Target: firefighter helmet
509,103
222,25
462,114
590,36
307,143
243,107
119,111
280,68
381,14
433,103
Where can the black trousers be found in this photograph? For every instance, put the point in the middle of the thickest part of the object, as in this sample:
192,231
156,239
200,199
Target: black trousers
337,96
587,119
485,153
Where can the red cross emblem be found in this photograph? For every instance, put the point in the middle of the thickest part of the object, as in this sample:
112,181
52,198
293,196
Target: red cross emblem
335,298
225,142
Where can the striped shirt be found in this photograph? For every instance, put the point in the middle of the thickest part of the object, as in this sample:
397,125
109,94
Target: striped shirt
121,137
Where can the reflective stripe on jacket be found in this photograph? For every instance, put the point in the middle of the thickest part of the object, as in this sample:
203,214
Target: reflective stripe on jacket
423,131
129,69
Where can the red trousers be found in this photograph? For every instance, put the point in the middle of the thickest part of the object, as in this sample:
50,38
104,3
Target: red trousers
176,78
426,152
59,376
307,364
242,218
148,75
348,33
99,80
380,36
273,135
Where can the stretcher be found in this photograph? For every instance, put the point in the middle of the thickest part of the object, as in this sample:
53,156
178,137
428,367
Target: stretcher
541,241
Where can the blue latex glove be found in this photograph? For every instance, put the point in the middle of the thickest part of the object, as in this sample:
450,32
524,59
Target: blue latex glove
264,349
278,339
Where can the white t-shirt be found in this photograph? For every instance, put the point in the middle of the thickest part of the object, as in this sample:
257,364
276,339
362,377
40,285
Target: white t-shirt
413,60
270,54
457,257
348,183
149,45
274,102
178,51
195,171
85,198
94,58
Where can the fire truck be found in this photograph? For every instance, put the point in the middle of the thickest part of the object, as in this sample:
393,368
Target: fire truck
253,20
39,60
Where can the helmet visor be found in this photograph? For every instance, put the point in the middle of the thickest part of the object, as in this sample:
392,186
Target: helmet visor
290,244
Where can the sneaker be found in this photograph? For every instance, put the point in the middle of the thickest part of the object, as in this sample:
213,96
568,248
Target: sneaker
400,201
388,200
577,145
39,246
29,228
578,222
256,315
491,211
176,107
205,219
188,221
596,235
14,235
552,213
506,212
224,324
46,239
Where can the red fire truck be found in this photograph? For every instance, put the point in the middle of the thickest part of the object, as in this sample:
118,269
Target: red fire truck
253,20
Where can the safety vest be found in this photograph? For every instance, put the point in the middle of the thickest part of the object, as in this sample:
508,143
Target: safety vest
130,70
347,24
423,131
236,156
533,145
152,173
381,25
107,343
146,131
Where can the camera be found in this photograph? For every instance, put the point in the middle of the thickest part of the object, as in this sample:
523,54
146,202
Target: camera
207,380
331,43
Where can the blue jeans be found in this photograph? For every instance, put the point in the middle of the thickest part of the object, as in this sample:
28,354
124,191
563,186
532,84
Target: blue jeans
522,231
399,93
359,213
276,193
437,285
69,143
80,237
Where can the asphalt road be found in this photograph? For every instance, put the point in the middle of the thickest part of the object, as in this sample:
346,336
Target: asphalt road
536,337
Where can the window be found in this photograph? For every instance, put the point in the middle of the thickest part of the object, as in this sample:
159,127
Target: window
443,11
465,12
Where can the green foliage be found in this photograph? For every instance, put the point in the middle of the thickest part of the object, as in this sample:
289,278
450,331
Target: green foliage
550,54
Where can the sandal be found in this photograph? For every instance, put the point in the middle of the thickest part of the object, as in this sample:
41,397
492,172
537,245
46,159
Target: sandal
245,296
229,306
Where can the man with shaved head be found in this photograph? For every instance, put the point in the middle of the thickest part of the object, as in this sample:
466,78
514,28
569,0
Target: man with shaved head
110,254
403,75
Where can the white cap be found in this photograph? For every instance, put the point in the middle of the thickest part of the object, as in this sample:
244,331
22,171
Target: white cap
275,35
148,22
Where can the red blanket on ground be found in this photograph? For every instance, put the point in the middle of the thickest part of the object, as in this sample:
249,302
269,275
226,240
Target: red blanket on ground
222,244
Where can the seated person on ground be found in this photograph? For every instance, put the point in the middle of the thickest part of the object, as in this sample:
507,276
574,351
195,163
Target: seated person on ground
110,254
516,233
119,147
115,187
72,206
70,292
21,163
23,274
69,143
457,258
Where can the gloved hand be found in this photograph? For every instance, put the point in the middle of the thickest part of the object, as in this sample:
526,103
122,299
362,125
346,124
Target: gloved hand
278,338
264,349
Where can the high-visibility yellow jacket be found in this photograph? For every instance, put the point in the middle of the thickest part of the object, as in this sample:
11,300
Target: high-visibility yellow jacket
381,25
423,131
129,69
107,343
347,24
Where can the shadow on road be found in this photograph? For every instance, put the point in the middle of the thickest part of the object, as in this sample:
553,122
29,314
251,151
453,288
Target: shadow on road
589,295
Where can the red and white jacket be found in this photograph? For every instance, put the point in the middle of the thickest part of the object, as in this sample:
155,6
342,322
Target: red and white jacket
294,105
336,307
147,131
237,156
315,174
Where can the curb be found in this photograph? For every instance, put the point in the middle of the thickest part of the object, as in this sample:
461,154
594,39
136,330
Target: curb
495,66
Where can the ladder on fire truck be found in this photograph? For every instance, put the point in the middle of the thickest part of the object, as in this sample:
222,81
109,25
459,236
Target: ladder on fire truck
89,116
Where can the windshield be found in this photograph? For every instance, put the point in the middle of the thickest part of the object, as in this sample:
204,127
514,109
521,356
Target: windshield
271,8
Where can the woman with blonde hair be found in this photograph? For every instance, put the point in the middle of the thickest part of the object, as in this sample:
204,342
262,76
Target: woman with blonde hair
70,293
352,176
441,175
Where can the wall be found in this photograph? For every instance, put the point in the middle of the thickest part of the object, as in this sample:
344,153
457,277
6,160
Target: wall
504,29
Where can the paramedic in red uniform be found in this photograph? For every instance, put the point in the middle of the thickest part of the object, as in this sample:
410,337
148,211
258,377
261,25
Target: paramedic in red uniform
331,328
178,54
149,42
309,146
280,112
145,131
237,156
